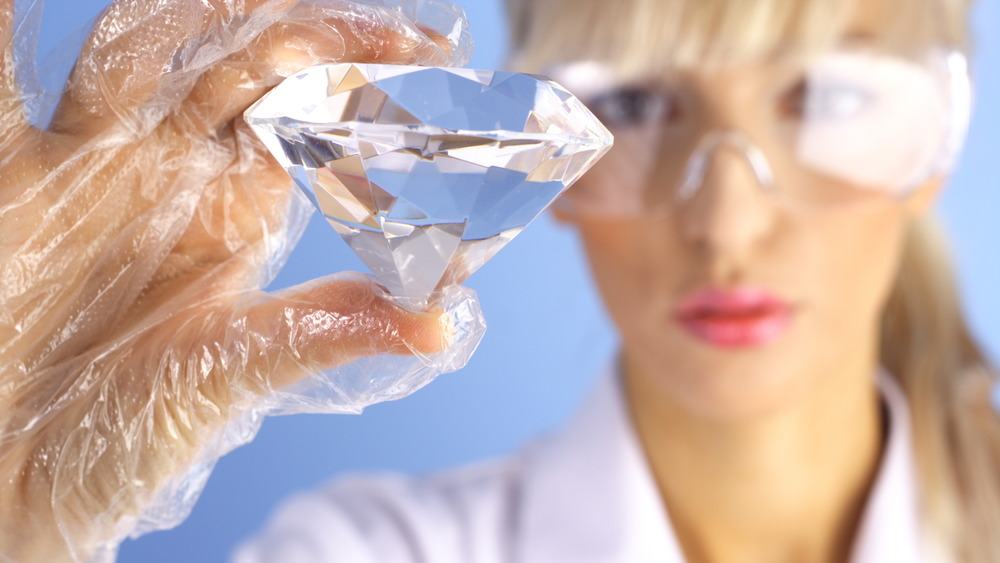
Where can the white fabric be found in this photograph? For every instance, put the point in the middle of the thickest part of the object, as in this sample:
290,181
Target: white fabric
584,495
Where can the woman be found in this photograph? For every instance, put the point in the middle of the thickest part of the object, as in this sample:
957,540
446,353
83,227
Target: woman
795,368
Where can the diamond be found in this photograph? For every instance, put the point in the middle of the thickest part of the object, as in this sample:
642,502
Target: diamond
427,172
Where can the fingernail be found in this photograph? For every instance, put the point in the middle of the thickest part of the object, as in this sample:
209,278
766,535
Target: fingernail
448,330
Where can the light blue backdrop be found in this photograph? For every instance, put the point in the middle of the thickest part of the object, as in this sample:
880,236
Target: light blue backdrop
547,338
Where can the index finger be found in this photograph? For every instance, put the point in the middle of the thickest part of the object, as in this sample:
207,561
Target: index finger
146,55
310,36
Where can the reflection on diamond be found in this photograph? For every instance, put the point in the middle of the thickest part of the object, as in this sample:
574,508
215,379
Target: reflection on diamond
427,172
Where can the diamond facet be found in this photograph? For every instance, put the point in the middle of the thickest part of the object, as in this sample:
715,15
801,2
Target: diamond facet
427,172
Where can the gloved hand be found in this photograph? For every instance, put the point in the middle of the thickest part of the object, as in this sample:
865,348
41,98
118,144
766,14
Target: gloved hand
135,233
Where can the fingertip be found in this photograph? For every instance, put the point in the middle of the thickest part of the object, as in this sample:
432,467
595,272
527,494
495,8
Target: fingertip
373,322
426,333
396,329
442,42
448,329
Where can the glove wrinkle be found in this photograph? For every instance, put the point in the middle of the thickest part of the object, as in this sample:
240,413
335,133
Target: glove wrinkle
136,232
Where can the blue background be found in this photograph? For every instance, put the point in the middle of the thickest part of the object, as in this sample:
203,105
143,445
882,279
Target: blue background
547,338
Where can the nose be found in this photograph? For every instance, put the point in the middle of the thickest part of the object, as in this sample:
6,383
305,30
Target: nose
697,168
724,201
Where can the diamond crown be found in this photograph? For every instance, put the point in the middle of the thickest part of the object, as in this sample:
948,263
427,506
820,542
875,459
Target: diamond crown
427,172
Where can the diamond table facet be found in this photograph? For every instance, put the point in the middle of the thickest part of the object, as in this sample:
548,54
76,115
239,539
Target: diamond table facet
427,172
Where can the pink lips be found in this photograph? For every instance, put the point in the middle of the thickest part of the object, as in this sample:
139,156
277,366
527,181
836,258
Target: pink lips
734,318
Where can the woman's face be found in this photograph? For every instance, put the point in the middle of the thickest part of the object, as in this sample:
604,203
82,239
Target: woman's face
732,302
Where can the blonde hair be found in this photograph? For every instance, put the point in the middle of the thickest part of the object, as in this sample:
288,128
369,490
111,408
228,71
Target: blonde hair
925,341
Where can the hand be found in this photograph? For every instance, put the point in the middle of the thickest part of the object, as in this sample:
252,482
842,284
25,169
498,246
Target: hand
134,231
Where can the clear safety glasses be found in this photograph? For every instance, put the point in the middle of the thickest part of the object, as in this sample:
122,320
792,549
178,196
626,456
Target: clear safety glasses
847,126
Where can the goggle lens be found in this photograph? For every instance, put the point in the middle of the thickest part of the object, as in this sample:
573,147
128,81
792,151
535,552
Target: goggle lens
851,125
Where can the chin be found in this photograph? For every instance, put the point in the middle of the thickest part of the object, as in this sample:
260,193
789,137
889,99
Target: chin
729,382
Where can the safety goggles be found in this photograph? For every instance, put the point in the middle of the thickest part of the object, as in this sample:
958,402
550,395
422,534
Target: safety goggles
848,126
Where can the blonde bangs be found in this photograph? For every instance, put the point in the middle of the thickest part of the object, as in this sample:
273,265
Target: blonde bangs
640,36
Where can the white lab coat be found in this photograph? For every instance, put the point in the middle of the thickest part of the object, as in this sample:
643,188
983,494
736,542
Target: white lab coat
583,495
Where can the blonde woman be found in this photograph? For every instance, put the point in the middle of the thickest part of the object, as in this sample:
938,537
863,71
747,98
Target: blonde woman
796,381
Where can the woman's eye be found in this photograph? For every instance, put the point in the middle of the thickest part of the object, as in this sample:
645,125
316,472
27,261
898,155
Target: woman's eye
632,107
826,101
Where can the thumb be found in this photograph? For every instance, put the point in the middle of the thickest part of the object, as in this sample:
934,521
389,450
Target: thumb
327,323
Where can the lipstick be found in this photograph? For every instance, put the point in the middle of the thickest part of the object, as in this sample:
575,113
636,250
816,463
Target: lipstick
734,318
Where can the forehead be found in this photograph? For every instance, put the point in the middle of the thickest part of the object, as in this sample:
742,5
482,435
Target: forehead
639,37
897,27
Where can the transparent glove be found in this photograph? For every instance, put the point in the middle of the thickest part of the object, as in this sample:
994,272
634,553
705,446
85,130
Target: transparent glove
135,232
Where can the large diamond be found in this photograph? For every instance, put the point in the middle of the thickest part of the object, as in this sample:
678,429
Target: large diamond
427,172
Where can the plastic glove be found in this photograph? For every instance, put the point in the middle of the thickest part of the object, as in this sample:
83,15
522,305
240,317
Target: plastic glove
134,230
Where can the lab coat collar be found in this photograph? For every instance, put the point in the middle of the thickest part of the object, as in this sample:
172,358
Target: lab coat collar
890,528
590,496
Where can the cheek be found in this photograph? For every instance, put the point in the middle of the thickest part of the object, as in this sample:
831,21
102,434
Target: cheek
613,255
631,262
855,269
